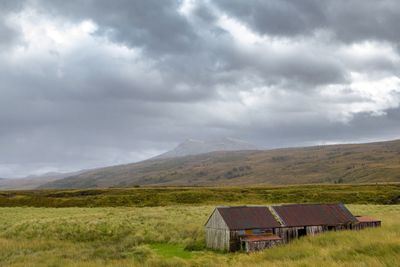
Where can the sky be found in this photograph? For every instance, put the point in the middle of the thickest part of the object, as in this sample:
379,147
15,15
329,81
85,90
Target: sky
90,83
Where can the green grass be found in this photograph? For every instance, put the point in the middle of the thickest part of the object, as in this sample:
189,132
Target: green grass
161,236
171,250
164,196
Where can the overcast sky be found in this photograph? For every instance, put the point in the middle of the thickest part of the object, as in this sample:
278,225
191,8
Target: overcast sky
88,83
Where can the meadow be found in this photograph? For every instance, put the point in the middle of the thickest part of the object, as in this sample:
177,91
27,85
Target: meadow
171,233
173,236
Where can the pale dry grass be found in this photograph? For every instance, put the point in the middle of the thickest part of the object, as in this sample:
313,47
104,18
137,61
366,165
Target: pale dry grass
124,237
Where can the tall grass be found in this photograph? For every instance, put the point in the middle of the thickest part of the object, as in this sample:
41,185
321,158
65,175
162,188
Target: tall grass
158,236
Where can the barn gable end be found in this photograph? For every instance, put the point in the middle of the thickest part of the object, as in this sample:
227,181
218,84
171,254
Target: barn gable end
217,232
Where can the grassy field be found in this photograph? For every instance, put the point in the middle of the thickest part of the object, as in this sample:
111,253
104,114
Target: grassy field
164,227
173,236
160,196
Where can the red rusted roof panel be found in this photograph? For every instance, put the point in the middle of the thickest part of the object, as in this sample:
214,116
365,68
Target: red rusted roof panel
366,219
244,217
260,238
314,214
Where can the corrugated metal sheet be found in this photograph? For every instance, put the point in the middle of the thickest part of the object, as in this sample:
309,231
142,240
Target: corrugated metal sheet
245,217
314,214
366,219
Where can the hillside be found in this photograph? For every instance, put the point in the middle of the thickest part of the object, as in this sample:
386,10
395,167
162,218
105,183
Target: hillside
32,181
196,147
353,163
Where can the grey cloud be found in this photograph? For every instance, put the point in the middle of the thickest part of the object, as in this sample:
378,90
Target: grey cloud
305,68
154,25
281,18
365,20
349,21
8,34
86,107
318,130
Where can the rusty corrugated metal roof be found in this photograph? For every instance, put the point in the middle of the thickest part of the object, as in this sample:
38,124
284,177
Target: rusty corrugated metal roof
314,214
247,217
366,219
260,238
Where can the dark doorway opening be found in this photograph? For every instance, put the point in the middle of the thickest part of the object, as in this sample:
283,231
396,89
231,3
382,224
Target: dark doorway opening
301,232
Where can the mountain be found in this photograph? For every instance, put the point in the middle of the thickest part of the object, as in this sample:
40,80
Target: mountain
350,163
33,181
196,147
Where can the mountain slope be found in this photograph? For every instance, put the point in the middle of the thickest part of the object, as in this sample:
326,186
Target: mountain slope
196,147
33,181
354,163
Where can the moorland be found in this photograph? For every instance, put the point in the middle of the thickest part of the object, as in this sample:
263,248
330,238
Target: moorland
166,196
164,227
333,164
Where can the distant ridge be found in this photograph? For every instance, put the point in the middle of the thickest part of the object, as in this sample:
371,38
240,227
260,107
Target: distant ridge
196,147
350,163
33,181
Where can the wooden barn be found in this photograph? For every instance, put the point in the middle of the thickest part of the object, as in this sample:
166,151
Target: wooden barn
252,228
244,227
309,219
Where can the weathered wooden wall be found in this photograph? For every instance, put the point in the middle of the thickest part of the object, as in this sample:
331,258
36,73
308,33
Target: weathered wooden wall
290,233
363,225
217,233
313,230
341,227
287,233
260,245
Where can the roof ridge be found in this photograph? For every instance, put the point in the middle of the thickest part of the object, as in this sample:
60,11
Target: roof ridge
276,216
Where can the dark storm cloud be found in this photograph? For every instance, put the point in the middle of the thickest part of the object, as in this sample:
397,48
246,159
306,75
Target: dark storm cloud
154,25
306,67
281,18
349,21
92,83
364,127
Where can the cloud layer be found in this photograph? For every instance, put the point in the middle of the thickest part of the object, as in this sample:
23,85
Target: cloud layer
93,83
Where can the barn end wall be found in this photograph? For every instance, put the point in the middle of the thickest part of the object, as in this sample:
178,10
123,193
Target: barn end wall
218,239
217,232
